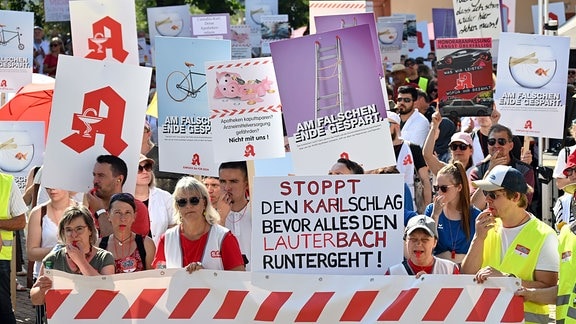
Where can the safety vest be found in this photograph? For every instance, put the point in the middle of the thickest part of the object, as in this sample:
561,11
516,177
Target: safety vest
7,236
422,83
565,302
520,259
211,258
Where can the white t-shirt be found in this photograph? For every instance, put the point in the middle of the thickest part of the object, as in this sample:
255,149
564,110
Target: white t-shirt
240,224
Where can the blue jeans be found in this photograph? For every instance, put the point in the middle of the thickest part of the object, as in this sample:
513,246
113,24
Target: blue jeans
6,311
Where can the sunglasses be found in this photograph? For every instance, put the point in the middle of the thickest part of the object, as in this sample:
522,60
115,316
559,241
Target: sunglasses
182,202
443,188
501,141
569,172
461,146
54,45
490,194
405,99
147,167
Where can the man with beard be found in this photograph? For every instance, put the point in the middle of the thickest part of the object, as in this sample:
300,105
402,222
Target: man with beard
413,124
409,159
110,173
510,242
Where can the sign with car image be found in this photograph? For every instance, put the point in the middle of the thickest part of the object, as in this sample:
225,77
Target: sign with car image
465,84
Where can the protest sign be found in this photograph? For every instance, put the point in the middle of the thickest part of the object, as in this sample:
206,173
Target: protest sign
241,48
328,8
477,18
272,29
170,21
215,26
390,30
444,23
56,10
16,39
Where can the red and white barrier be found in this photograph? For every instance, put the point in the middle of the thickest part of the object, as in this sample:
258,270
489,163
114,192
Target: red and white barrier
206,296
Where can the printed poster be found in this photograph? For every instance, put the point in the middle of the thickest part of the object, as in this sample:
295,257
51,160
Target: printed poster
215,26
246,113
16,59
241,48
464,70
422,40
477,18
332,109
56,10
334,22
255,9
21,148
104,30
184,128
444,23
531,93
103,114
409,35
328,8
390,30
350,225
272,29
170,21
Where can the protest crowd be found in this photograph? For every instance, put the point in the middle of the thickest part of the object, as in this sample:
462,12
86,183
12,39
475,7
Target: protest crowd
472,202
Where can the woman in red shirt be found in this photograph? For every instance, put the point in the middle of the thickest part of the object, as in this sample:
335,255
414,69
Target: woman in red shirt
51,59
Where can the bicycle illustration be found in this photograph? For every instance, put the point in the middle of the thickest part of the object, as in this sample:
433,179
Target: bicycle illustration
180,85
5,36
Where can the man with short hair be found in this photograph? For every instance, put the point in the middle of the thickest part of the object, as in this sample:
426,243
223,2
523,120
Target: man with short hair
511,242
233,178
109,175
413,124
413,76
12,218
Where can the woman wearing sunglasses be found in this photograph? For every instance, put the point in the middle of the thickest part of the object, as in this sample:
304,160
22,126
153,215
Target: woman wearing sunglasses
197,242
159,202
51,59
132,252
452,211
460,147
78,255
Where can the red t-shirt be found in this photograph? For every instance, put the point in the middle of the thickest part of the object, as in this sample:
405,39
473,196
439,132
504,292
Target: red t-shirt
192,251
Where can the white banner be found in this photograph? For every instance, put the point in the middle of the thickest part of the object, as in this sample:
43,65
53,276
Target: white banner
207,296
16,60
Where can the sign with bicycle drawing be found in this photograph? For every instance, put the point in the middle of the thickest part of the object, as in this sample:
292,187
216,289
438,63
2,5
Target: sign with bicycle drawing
15,54
184,128
245,109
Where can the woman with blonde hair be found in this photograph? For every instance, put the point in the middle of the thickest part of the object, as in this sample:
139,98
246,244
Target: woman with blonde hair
197,242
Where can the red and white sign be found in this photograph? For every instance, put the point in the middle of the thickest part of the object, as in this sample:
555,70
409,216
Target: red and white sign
206,296
102,114
105,30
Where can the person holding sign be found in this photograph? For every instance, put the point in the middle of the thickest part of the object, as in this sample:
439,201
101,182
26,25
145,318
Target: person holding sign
79,255
197,242
421,237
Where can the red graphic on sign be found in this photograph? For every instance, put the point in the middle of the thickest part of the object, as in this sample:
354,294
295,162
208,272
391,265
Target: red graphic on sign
528,124
249,151
407,160
89,122
100,42
464,81
195,159
345,155
3,83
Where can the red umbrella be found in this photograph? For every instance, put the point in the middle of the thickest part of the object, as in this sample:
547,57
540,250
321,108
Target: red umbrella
32,103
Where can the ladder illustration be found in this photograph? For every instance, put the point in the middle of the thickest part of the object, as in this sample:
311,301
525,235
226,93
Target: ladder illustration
328,82
344,25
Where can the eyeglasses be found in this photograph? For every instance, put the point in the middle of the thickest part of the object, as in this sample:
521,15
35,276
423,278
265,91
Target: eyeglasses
491,194
461,146
569,172
182,202
147,167
501,141
79,230
404,99
443,188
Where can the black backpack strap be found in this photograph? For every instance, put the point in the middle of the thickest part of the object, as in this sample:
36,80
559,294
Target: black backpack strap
104,242
408,269
43,211
141,249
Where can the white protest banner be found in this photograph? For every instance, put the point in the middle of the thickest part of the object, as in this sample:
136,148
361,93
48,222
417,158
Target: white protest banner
16,39
346,224
246,112
477,18
327,8
105,30
101,114
209,296
531,78
184,128
56,10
